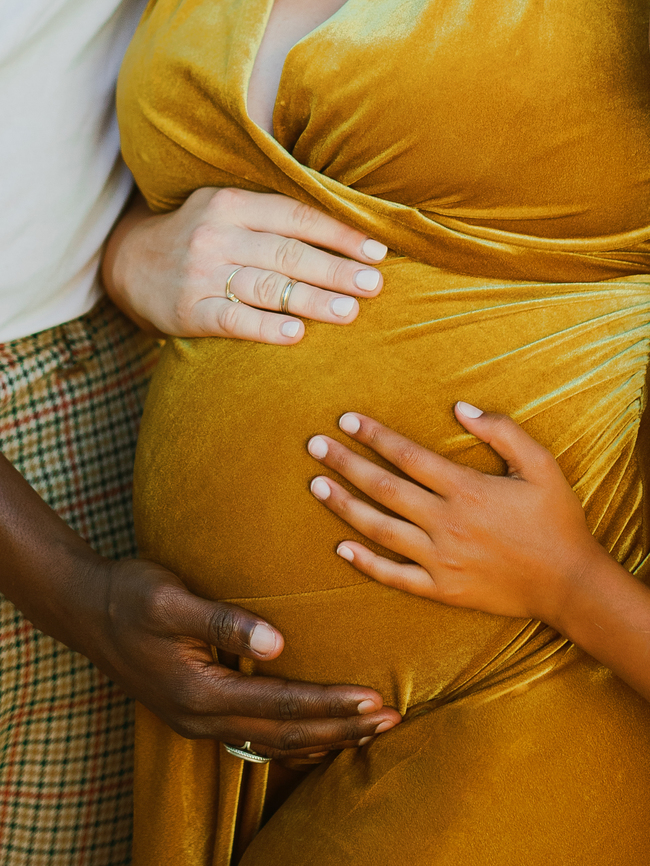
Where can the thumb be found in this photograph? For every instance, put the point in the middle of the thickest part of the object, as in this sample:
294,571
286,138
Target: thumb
524,457
225,626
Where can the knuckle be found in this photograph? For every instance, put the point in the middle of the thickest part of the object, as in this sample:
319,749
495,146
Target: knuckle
372,432
385,488
160,603
265,290
305,217
545,459
384,533
292,738
337,273
289,255
200,243
267,331
409,456
472,495
224,628
352,729
336,707
228,317
312,304
288,706
227,201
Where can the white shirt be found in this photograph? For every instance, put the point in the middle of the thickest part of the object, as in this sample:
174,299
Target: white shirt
62,182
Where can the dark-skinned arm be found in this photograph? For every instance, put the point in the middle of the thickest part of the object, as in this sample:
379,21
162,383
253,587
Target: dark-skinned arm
141,626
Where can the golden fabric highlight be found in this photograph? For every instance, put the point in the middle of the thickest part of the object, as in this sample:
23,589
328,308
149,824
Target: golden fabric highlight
502,151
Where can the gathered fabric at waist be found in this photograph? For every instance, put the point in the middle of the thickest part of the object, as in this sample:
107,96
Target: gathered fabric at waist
222,474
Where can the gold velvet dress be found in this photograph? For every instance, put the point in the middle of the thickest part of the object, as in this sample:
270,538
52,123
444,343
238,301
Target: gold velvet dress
501,149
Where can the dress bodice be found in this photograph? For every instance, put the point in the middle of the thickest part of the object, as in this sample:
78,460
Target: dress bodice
509,139
502,149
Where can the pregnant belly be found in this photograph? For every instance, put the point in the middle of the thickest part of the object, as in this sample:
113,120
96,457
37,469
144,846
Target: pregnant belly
222,476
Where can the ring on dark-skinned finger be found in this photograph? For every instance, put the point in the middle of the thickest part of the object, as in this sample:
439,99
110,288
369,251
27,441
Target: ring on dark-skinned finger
246,753
286,294
230,295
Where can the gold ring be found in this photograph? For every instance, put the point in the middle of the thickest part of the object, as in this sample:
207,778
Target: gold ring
230,295
286,294
246,753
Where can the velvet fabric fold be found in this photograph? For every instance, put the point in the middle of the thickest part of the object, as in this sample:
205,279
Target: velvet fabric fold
502,151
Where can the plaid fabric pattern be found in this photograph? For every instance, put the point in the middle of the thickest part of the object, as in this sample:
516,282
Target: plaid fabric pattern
70,404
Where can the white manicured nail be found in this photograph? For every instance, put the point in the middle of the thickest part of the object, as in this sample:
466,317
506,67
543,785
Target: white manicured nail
364,740
317,447
263,639
345,553
342,306
366,280
349,423
290,329
468,410
374,250
320,488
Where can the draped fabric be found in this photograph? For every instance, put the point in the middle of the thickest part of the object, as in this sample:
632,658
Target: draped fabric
501,149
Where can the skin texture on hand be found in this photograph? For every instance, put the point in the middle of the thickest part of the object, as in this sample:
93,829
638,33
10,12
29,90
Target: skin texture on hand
168,272
141,626
514,545
501,544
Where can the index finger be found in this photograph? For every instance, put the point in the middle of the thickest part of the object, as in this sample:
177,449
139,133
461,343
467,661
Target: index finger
276,699
285,216
424,466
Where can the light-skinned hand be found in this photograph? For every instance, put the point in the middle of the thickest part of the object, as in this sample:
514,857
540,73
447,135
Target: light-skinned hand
510,545
168,272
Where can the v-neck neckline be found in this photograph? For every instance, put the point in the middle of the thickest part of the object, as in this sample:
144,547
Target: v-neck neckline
255,43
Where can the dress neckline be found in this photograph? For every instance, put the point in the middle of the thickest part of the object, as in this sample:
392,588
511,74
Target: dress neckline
254,43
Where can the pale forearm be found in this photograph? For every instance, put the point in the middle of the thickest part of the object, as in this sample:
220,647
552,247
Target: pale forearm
118,261
608,615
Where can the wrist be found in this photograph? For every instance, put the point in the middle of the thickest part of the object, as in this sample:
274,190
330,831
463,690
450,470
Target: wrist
121,263
69,607
592,591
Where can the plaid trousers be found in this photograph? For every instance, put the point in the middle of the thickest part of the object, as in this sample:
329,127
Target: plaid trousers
70,404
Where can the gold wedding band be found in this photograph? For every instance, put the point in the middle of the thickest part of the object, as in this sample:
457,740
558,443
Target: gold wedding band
230,295
286,294
246,753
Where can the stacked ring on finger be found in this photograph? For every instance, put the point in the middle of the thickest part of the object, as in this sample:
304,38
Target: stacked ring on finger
286,294
231,295
246,753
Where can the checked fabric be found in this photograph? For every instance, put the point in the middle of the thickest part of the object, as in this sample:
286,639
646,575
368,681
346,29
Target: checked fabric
70,404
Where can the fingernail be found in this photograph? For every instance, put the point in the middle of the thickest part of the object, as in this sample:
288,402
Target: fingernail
345,552
318,754
366,280
320,488
468,410
374,250
367,706
317,447
262,640
364,740
342,306
290,329
384,726
349,423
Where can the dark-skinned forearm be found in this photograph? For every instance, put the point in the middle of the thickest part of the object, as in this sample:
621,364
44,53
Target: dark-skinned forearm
45,568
